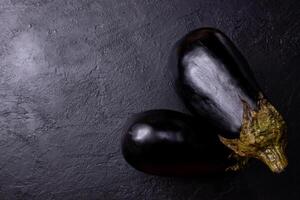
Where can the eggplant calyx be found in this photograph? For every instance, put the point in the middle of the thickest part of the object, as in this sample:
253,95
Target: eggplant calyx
262,136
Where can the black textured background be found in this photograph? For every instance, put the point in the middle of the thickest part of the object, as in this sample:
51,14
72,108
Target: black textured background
71,72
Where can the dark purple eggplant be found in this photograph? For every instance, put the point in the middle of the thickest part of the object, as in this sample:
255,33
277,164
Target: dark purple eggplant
215,82
164,142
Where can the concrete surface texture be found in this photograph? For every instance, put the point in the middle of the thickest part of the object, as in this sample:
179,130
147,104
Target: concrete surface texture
73,71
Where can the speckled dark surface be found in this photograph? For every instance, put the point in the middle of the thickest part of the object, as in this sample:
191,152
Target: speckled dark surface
71,73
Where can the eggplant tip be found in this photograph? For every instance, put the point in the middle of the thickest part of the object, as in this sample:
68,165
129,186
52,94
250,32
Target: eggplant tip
274,158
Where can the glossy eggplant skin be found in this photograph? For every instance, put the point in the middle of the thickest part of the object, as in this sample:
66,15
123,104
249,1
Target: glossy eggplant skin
170,143
213,78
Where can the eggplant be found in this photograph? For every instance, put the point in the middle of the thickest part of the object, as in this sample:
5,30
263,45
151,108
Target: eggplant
170,143
215,81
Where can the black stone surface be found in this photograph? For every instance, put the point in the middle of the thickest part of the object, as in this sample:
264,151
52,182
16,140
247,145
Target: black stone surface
71,72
